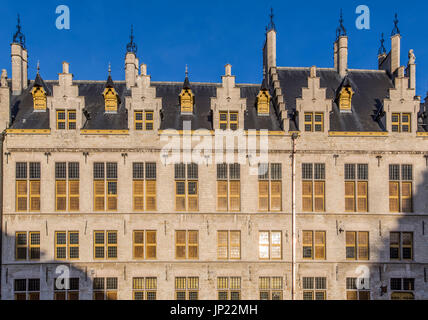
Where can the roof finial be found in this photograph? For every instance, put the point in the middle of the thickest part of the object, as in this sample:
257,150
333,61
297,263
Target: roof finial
271,25
131,46
38,66
19,37
382,49
341,30
109,69
395,30
186,72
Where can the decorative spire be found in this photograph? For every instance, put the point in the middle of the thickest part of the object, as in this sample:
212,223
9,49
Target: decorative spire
341,30
264,82
271,25
131,46
395,30
382,49
186,84
109,83
19,37
38,66
109,69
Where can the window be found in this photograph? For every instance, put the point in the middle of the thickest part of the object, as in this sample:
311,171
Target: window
186,288
186,187
356,187
62,193
401,245
33,245
271,288
144,288
140,185
144,244
401,122
66,246
143,120
228,245
402,288
67,289
313,187
228,187
270,187
105,244
400,188
29,182
229,288
314,248
27,289
357,245
186,244
104,289
105,190
263,99
314,121
270,245
228,120
314,288
66,119
354,292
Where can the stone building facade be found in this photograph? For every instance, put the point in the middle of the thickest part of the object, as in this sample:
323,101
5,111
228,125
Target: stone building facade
92,188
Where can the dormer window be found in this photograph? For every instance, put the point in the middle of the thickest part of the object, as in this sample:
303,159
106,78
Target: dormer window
186,101
228,120
263,100
39,98
66,119
110,99
345,99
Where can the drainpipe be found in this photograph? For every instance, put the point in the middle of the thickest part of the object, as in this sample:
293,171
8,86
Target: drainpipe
2,136
294,137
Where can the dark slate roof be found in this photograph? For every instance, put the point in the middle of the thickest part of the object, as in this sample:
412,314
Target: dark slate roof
370,87
23,115
171,113
251,119
423,117
94,105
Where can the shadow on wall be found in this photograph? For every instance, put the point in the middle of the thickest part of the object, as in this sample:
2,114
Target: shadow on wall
401,273
32,278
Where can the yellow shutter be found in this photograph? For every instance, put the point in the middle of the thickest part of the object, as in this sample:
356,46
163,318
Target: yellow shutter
21,195
320,245
180,195
235,244
138,244
307,196
263,195
362,196
319,190
192,195
35,195
73,195
222,195
351,245
394,201
234,195
61,195
308,244
180,244
99,190
363,245
151,244
138,196
351,295
151,195
111,195
275,194
406,197
349,196
222,245
192,242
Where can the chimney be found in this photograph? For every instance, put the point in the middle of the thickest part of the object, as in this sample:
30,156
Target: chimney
16,53
19,61
343,56
143,69
131,62
335,55
228,70
411,70
269,50
395,47
4,101
65,67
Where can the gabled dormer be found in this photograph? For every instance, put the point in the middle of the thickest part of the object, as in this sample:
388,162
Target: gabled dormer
111,98
39,93
187,98
263,99
344,95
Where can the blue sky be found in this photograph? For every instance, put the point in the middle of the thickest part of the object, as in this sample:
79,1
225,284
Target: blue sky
206,35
